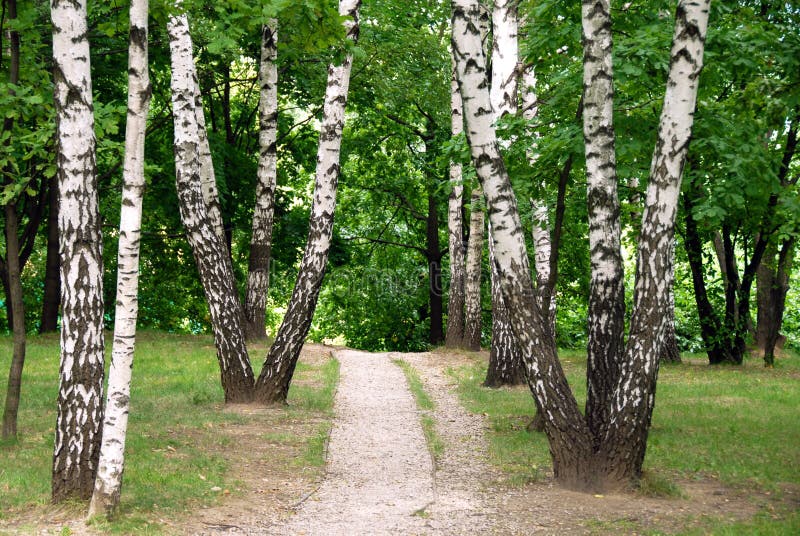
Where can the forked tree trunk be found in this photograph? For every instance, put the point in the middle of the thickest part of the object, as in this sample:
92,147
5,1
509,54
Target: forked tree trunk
472,281
618,457
52,281
255,304
209,248
505,361
14,281
276,375
108,484
80,393
455,226
606,284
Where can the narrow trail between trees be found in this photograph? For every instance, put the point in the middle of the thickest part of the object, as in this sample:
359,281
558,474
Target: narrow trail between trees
380,473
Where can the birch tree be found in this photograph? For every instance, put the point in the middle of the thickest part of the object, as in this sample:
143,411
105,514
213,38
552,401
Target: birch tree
505,361
108,484
472,280
207,242
261,242
455,227
606,284
579,460
80,391
276,375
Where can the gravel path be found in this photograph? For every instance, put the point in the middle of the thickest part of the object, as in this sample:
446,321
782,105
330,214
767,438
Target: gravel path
380,473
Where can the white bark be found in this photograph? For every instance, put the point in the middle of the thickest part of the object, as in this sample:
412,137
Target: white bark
108,484
80,395
273,383
208,247
634,396
455,226
261,240
505,55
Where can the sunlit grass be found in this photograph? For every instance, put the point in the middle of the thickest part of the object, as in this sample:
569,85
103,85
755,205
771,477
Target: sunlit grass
176,437
426,404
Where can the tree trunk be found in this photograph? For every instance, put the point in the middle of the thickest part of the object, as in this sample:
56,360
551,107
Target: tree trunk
434,255
455,226
273,383
670,352
52,282
606,285
618,458
108,485
255,304
505,355
208,244
80,393
777,301
472,281
15,297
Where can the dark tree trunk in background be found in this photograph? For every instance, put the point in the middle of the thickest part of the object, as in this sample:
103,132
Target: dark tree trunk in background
775,302
52,282
15,297
434,271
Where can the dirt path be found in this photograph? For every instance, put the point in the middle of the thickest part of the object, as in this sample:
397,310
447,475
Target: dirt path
380,472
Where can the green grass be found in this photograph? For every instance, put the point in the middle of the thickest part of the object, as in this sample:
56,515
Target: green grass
176,429
426,405
736,424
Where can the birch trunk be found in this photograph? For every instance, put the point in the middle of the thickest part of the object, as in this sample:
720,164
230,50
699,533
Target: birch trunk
618,458
255,303
505,361
569,437
472,281
210,251
606,286
108,484
276,375
455,226
625,438
80,392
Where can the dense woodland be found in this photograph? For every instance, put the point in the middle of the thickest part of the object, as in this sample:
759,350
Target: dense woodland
571,188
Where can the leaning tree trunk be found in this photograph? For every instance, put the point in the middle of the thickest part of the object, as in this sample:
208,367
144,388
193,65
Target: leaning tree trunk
606,285
80,393
455,226
472,276
14,286
570,442
625,437
505,361
108,485
575,460
273,383
52,282
255,304
209,248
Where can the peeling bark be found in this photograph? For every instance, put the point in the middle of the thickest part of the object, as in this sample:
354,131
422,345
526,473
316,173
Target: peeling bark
108,484
208,245
276,375
255,304
80,392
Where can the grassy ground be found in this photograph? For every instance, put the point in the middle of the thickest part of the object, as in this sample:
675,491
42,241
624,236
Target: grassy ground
177,433
735,424
426,405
